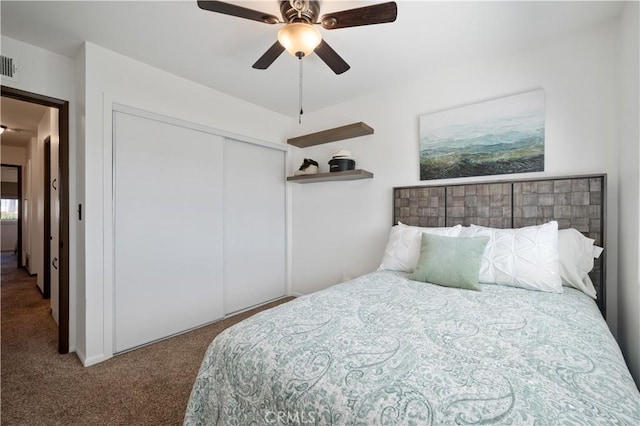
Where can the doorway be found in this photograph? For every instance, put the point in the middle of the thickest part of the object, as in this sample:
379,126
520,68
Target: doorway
11,191
62,260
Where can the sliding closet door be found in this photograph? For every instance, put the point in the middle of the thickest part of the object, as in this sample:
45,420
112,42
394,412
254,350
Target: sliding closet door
254,225
168,229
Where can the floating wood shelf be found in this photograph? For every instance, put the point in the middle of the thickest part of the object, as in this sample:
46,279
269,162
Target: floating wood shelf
345,132
328,177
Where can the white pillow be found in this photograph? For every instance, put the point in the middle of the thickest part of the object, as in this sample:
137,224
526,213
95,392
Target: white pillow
576,260
523,257
403,248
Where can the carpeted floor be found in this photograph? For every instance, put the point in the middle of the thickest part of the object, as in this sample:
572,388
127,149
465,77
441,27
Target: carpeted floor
147,386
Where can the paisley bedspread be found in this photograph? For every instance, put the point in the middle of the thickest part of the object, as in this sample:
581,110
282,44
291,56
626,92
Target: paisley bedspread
382,349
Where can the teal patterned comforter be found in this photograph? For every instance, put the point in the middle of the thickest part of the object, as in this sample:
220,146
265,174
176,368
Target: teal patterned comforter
382,349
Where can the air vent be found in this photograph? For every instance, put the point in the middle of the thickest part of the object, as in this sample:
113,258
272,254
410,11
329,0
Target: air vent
8,68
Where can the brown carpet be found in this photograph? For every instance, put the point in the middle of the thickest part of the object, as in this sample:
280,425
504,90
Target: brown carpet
147,386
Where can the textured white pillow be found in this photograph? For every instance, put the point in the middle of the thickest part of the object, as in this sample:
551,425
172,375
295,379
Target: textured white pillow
403,248
523,257
576,260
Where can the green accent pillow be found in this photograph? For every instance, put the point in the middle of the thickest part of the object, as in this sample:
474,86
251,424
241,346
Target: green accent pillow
450,261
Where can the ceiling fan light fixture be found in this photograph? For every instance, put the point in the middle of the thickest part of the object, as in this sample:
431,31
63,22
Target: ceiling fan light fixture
299,37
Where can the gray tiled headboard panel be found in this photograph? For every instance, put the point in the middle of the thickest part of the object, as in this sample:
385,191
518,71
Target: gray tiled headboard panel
574,201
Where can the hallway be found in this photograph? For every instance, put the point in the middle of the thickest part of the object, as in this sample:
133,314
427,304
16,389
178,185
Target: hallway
28,341
27,325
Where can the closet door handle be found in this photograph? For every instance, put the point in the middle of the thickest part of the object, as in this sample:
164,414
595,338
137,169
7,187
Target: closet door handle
54,184
54,262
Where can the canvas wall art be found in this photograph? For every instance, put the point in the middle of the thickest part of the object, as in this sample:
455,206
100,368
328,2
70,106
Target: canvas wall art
496,137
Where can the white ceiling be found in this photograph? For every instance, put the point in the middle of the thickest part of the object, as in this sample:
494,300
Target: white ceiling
21,119
218,50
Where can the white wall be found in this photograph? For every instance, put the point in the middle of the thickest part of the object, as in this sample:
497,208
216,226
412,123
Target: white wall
78,237
13,155
629,186
112,78
47,73
340,228
33,181
47,128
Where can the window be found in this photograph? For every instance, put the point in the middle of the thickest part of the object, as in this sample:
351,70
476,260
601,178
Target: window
9,209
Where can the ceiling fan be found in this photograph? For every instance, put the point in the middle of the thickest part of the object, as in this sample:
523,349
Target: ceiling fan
299,36
4,128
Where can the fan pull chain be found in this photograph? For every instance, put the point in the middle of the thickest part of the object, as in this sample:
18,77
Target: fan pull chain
300,90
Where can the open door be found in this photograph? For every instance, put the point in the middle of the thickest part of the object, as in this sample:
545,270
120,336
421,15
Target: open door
46,246
54,235
51,246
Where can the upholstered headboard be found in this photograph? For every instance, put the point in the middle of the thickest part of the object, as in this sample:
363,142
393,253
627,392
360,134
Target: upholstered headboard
574,201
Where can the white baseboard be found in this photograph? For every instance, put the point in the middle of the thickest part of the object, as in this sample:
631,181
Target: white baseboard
87,362
81,356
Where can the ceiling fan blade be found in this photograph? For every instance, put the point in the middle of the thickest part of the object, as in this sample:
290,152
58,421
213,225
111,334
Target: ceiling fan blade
269,56
239,11
368,15
331,58
15,129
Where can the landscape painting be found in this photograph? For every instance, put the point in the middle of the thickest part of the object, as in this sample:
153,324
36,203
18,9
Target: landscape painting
496,137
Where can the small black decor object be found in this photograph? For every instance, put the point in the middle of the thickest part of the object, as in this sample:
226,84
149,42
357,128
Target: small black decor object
341,161
308,167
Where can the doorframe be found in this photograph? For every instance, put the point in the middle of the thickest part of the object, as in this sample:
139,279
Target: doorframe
63,130
20,204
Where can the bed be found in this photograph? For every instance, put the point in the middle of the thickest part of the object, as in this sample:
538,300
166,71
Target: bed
386,348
